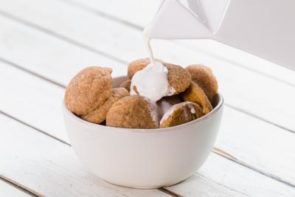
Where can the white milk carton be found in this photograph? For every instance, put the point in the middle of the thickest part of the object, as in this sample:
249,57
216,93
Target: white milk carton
265,28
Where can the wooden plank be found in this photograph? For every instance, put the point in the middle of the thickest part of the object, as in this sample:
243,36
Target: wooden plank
7,189
144,12
47,64
124,10
22,97
58,59
262,146
50,167
238,178
244,90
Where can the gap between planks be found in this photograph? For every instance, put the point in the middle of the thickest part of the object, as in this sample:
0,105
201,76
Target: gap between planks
21,187
107,55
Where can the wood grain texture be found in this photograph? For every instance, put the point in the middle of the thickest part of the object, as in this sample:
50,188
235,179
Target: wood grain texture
35,93
48,62
245,90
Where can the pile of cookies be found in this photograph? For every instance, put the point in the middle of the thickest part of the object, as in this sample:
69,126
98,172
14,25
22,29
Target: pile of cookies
90,95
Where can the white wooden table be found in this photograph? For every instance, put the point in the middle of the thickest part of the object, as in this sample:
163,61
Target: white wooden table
43,43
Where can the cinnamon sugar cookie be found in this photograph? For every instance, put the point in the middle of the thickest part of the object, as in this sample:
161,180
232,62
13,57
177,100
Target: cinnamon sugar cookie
204,77
197,95
89,89
179,78
99,114
133,112
181,113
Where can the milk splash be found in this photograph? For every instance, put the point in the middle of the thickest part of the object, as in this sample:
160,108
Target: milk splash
152,81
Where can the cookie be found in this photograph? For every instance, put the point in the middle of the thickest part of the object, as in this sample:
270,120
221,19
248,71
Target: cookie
181,113
205,78
133,112
197,95
99,115
179,78
89,89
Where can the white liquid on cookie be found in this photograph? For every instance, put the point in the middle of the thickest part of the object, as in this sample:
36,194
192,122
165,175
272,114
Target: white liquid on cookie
152,81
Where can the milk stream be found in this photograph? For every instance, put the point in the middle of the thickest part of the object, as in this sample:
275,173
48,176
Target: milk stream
147,44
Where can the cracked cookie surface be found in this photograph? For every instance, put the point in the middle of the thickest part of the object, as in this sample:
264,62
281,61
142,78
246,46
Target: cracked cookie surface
89,89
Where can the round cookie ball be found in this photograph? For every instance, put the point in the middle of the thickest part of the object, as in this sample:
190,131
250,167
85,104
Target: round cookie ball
99,115
89,89
181,113
133,112
205,78
179,78
197,95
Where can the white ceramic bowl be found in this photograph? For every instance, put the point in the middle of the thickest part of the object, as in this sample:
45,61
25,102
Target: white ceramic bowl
144,158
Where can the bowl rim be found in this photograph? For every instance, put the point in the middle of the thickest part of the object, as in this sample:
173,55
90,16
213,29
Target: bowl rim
138,130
